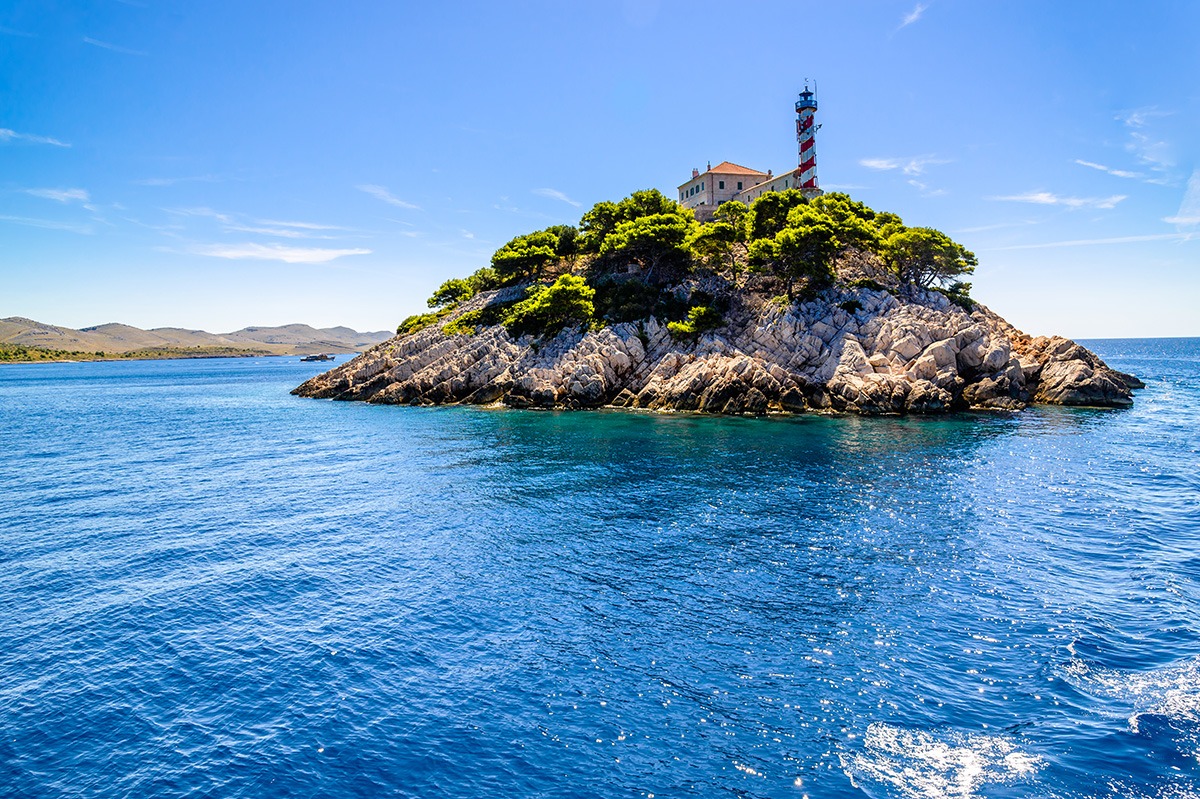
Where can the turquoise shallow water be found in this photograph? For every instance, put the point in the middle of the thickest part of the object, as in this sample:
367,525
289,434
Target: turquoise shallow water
212,588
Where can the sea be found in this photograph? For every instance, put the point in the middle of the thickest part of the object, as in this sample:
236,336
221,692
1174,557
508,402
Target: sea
211,588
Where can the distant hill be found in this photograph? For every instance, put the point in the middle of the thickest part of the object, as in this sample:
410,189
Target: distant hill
116,338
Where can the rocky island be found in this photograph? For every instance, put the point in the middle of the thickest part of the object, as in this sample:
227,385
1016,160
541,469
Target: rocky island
793,304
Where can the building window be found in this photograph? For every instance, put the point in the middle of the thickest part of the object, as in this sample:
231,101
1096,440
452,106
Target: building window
720,184
701,185
739,185
785,184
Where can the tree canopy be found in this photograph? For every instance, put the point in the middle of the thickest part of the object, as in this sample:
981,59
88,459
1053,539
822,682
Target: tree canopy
548,308
768,214
605,217
803,249
796,239
652,240
525,255
715,239
926,257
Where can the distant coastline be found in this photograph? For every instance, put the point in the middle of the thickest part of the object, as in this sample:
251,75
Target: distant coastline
16,354
28,341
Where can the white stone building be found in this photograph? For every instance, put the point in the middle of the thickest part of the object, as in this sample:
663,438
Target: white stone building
705,192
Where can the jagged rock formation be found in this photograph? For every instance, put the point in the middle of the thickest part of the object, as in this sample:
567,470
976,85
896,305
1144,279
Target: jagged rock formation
904,352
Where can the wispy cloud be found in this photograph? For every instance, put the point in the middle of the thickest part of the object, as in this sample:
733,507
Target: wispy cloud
1152,153
48,224
556,195
274,252
208,212
1189,208
173,181
61,195
909,166
1140,117
7,135
925,190
1090,242
982,228
301,225
113,47
281,232
1047,198
913,16
842,186
14,32
381,193
1121,173
266,227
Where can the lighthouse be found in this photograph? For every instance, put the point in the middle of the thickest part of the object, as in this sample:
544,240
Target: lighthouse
806,109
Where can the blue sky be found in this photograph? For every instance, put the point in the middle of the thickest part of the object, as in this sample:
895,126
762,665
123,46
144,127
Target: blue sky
220,164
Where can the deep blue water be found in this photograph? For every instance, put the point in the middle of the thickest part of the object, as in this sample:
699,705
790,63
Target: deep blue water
211,588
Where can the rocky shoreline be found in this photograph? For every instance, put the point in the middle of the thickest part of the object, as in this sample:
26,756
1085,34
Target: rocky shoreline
855,349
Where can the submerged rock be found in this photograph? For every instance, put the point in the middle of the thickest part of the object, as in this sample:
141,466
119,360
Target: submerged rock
916,353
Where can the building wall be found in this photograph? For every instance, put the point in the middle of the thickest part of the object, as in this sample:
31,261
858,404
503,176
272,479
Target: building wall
706,188
788,180
703,194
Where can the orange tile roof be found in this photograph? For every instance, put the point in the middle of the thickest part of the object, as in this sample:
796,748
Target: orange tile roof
726,168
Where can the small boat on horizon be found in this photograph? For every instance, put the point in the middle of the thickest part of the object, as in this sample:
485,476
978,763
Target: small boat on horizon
319,357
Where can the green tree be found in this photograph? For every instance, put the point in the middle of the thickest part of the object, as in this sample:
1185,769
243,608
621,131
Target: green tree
768,214
840,206
734,213
853,221
525,255
596,224
548,308
652,241
804,249
567,246
451,292
648,202
483,279
716,239
887,225
926,257
604,217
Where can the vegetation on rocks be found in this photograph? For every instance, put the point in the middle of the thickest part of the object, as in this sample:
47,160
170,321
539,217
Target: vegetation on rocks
634,255
787,305
548,308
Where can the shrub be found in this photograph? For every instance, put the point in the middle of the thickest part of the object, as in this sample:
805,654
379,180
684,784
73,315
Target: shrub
626,300
548,308
851,306
416,322
468,324
483,279
525,255
451,292
700,318
959,294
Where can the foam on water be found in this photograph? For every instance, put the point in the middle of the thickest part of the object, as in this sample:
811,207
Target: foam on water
915,764
1149,700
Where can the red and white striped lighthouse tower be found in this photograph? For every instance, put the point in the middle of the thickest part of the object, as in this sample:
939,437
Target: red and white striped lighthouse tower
806,108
